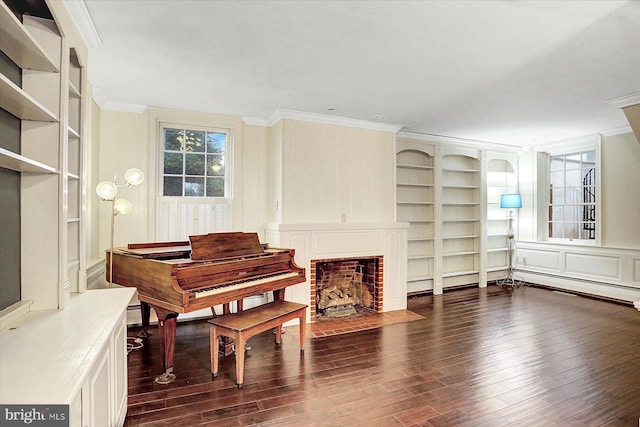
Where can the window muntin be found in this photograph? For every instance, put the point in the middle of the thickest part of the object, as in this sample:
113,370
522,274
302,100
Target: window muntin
572,196
194,162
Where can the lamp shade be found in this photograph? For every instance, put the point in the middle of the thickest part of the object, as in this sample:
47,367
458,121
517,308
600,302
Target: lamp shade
134,176
510,201
106,190
122,206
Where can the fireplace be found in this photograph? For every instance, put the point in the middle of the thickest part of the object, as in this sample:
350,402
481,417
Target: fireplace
342,287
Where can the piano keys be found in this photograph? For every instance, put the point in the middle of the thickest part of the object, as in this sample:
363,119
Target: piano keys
208,270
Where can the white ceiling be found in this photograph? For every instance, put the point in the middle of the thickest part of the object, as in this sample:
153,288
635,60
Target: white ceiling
509,72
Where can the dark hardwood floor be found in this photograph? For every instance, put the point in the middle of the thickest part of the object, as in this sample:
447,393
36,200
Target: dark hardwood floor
480,357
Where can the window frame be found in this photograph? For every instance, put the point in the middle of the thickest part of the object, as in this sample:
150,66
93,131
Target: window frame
228,173
567,147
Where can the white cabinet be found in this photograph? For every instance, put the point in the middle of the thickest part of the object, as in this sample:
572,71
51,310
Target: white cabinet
76,356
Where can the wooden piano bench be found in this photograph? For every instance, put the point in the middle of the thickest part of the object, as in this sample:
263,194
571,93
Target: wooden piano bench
245,324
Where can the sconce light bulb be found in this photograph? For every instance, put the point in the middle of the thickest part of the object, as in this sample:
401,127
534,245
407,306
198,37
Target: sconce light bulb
106,190
134,176
122,206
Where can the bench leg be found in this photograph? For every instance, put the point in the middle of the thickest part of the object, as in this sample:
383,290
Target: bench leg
303,329
240,343
279,334
213,344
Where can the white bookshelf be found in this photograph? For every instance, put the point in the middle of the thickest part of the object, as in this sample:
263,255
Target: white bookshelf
460,220
415,205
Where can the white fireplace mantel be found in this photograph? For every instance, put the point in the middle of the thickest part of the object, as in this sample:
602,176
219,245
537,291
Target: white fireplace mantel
313,241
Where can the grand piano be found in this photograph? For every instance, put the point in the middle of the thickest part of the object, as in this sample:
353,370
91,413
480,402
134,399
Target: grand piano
206,271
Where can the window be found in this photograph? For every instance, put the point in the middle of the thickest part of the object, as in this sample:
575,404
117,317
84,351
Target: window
572,195
194,162
195,180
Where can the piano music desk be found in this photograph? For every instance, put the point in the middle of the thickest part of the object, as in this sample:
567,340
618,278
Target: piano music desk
243,325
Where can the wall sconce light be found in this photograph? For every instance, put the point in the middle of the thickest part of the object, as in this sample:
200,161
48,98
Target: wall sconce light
107,191
510,202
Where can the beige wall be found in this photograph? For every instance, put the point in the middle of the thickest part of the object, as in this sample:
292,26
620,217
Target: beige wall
123,144
331,173
620,191
294,171
620,205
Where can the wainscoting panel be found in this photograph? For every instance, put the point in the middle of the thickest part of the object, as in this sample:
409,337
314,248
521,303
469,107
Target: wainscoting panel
593,265
543,259
607,272
636,270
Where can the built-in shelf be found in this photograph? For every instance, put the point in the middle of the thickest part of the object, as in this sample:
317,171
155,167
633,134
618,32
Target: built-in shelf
18,44
497,250
420,257
462,187
409,184
408,166
460,273
21,104
73,133
461,220
73,91
73,176
462,170
460,253
419,279
468,236
415,205
18,163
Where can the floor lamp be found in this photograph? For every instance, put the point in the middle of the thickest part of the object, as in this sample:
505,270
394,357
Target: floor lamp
107,191
510,202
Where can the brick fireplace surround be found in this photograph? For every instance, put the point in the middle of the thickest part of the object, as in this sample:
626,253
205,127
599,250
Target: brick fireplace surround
378,282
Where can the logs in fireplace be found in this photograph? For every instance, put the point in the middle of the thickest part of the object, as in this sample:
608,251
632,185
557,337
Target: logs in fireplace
345,287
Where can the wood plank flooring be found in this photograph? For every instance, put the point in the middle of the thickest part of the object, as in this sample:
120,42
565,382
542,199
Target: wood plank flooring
480,357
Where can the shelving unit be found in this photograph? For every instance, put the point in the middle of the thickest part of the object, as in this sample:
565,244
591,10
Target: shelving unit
461,227
415,192
501,179
43,100
45,94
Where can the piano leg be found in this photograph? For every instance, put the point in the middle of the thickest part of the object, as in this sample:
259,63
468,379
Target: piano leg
167,329
145,312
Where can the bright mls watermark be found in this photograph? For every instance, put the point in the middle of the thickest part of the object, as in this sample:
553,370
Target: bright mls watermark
34,415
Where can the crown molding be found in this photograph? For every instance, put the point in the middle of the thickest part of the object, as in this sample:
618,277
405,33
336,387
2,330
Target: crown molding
82,18
617,131
321,118
579,143
450,140
625,101
101,101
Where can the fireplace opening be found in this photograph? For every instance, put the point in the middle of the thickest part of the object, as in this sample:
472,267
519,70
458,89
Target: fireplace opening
345,287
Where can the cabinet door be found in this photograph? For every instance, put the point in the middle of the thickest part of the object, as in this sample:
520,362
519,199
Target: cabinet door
97,403
119,388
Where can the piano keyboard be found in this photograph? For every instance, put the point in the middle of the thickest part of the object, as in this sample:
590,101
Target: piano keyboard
244,284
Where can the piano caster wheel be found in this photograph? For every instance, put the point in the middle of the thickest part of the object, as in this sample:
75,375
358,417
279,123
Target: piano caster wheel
239,385
165,378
